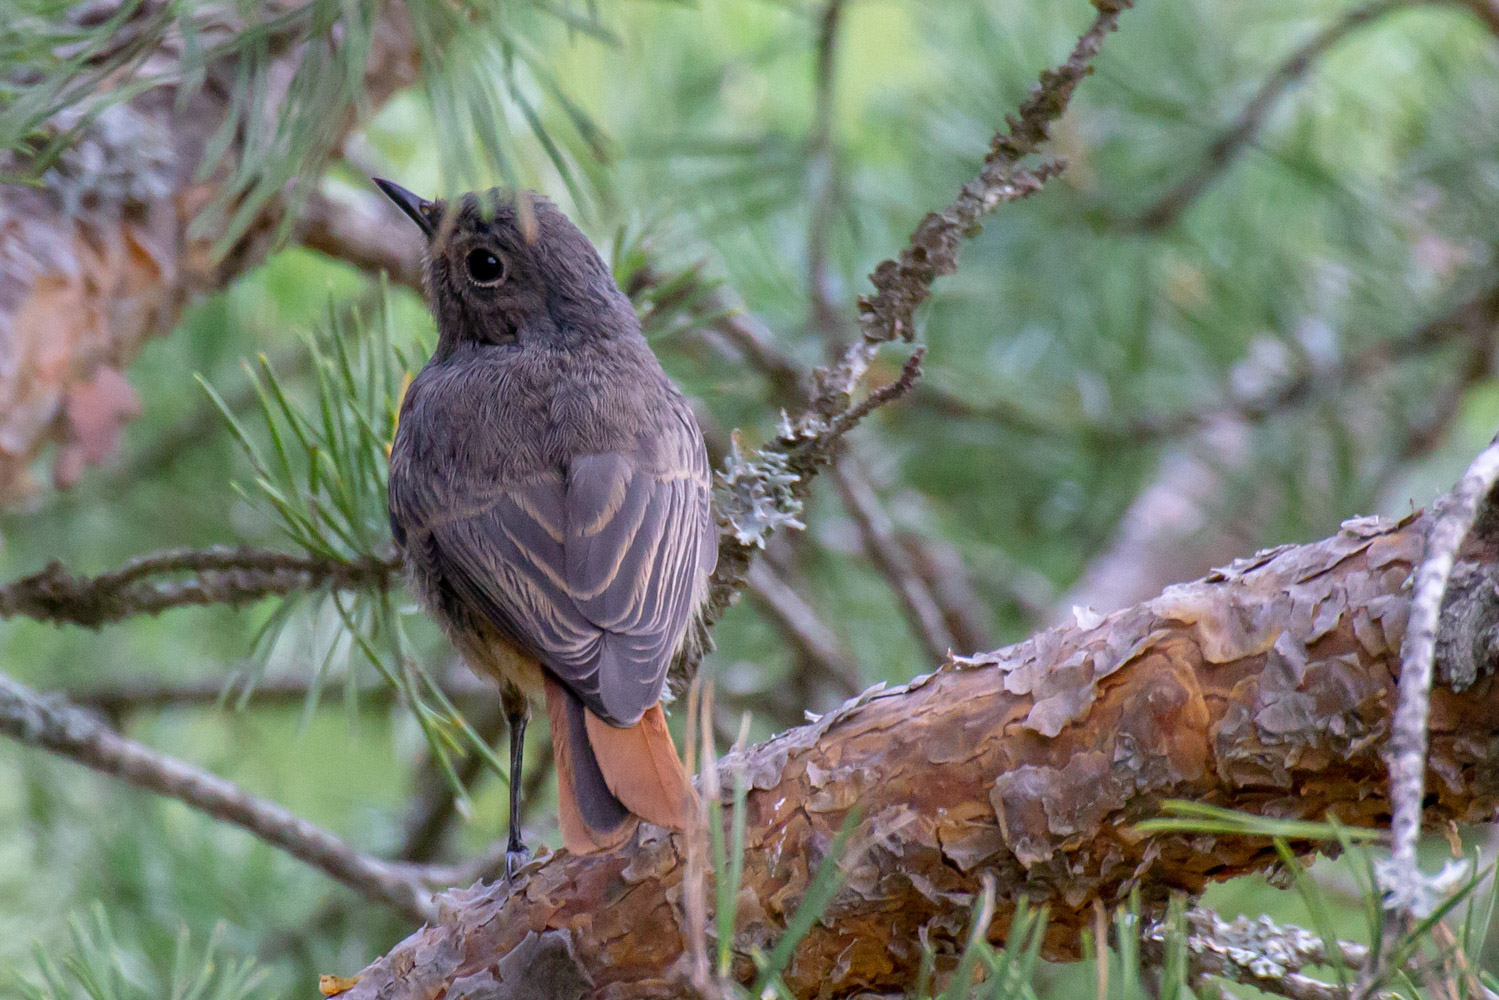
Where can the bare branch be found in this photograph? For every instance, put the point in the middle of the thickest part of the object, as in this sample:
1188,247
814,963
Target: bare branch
784,468
1410,894
884,550
1173,530
118,700
357,227
817,644
903,285
150,584
1247,124
435,803
49,722
943,569
1472,321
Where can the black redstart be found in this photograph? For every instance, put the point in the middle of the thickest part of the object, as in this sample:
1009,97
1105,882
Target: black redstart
550,489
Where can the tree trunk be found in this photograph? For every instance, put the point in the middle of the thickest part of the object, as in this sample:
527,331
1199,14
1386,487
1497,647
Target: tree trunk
1264,687
101,258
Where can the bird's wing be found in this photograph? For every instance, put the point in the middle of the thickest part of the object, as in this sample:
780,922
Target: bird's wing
596,572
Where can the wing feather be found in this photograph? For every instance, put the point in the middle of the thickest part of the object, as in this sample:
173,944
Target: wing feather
597,573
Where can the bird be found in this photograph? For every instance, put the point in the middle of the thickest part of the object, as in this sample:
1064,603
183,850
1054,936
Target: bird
550,490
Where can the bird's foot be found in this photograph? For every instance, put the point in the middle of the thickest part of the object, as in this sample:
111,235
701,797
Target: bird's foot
516,858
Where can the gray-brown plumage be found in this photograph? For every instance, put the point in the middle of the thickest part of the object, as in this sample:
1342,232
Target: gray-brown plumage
550,488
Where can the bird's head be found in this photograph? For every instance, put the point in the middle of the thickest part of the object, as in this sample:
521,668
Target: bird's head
503,268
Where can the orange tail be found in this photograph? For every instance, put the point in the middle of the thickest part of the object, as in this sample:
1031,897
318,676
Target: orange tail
607,776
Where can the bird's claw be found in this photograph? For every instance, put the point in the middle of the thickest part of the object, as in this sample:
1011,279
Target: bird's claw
516,858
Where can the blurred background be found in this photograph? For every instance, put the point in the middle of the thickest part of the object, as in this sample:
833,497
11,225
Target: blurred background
1263,298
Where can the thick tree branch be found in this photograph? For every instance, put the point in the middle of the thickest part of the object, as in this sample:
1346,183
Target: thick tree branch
1266,687
151,584
49,722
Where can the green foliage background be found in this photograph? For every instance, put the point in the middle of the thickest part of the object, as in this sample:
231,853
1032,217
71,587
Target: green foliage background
1368,206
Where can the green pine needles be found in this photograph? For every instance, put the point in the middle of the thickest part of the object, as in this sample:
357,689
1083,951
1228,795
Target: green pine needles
318,460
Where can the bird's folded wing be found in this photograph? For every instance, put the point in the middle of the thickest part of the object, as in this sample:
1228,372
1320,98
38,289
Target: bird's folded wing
597,573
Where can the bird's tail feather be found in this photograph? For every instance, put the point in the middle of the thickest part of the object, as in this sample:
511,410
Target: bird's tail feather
607,774
642,769
591,818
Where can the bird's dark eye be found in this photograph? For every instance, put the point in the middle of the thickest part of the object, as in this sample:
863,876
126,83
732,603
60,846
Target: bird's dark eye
485,267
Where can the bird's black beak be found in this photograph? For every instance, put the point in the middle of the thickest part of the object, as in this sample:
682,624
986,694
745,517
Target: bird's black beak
418,208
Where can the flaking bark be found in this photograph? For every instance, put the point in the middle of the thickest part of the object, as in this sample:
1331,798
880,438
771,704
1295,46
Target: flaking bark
104,255
1266,686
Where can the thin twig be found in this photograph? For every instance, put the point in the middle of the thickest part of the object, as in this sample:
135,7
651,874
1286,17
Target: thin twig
358,227
116,700
1251,118
1260,953
1408,736
904,284
822,168
1473,320
943,569
150,584
435,803
884,550
49,722
808,443
815,642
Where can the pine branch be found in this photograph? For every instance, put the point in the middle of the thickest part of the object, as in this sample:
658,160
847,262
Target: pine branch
49,722
767,489
1263,688
1247,124
148,585
118,245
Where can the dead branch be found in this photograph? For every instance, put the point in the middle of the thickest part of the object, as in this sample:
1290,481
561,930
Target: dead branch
1260,953
772,483
148,585
435,803
1409,893
884,550
93,266
1266,687
49,722
816,643
824,180
356,227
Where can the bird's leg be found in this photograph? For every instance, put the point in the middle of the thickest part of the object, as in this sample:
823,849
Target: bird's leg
517,714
